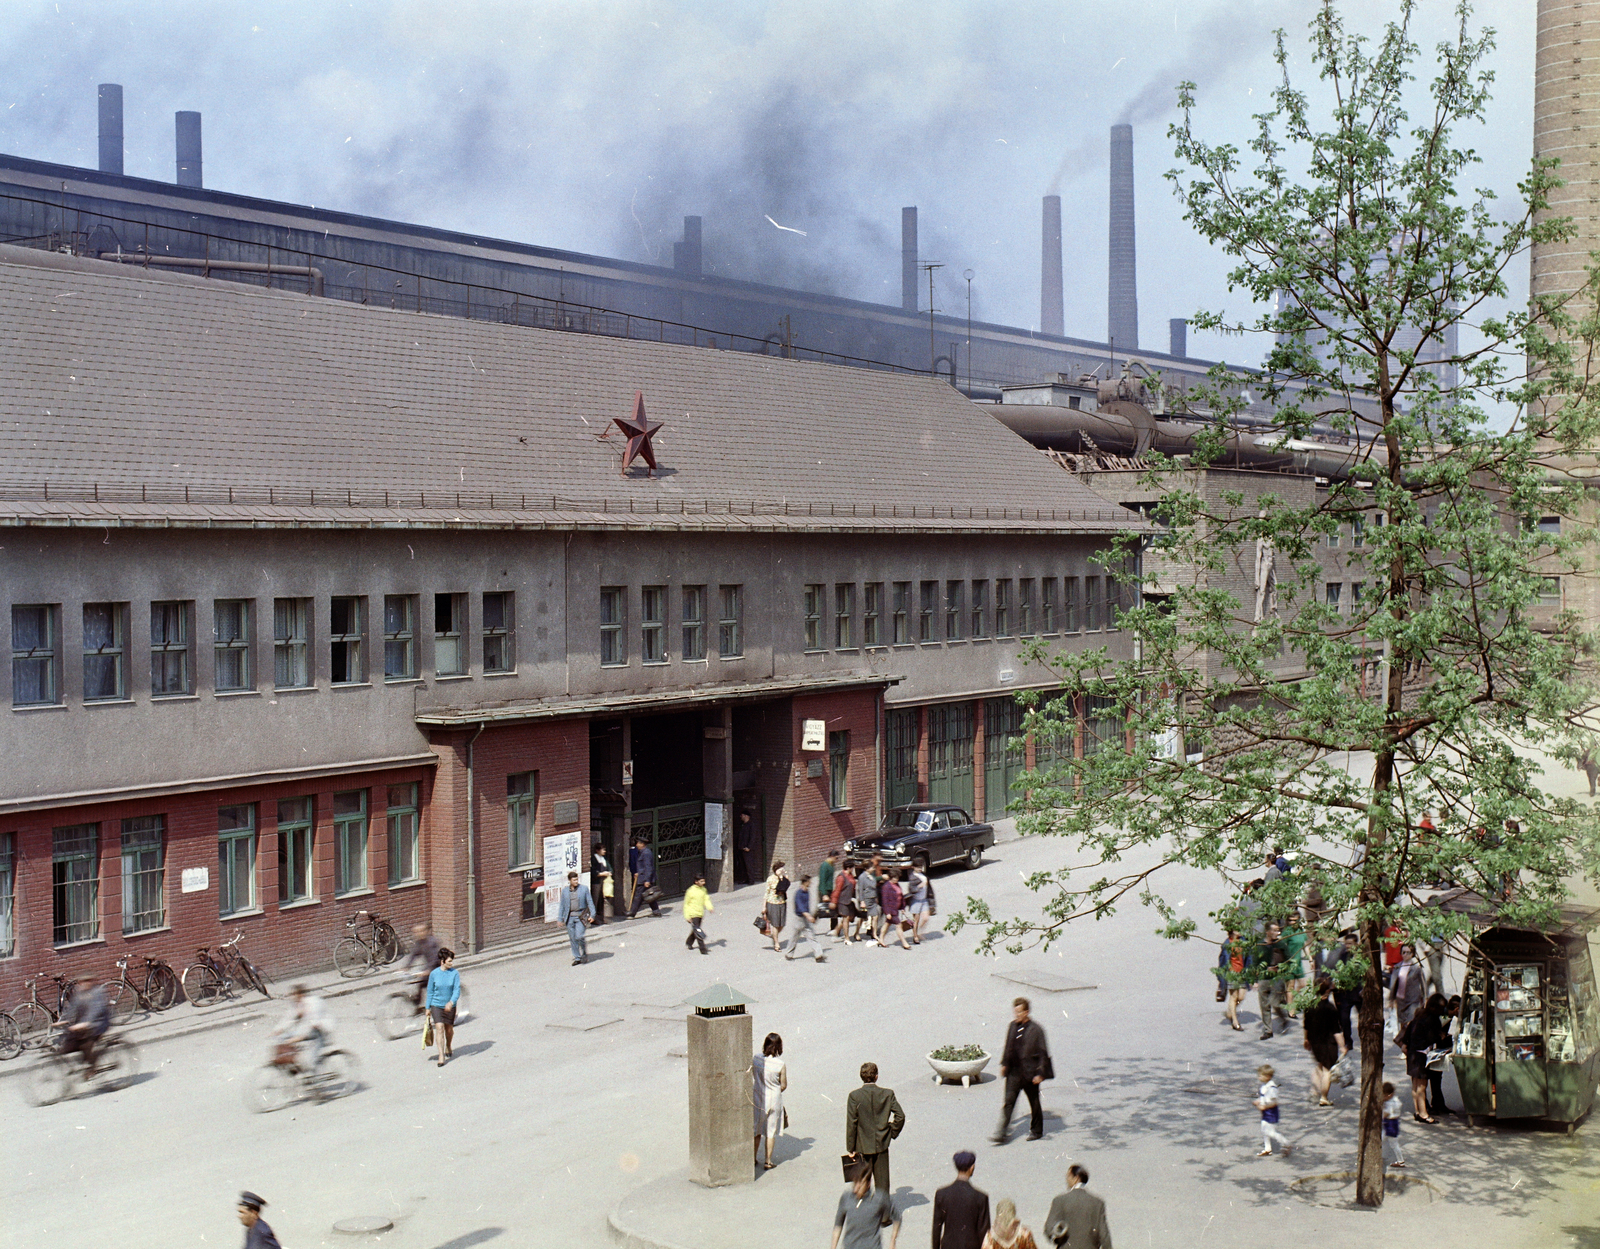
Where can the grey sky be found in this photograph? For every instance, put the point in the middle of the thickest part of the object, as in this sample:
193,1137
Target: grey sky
597,126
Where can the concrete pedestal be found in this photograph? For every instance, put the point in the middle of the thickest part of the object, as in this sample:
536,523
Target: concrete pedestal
720,1115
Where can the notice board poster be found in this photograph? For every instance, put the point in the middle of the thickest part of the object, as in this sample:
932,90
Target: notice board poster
562,854
714,817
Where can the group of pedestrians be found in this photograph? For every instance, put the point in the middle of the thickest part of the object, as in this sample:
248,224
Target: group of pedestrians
869,901
961,1219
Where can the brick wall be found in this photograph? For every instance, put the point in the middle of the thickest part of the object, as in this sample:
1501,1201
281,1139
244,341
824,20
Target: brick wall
815,829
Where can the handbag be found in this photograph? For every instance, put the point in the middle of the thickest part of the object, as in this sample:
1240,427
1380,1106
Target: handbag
607,889
427,1032
1436,1058
785,1118
652,893
760,922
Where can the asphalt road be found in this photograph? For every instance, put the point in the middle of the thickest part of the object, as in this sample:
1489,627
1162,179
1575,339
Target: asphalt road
568,1092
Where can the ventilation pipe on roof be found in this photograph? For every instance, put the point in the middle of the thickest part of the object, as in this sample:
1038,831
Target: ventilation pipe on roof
110,128
908,259
687,256
1122,322
1178,329
188,127
1052,318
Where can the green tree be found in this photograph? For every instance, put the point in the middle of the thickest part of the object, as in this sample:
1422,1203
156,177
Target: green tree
1358,236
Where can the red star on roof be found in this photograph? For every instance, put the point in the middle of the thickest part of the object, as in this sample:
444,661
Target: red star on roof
639,431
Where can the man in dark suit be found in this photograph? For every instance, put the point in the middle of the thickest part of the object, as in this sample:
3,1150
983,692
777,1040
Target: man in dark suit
960,1211
644,877
872,1118
1025,1064
1077,1217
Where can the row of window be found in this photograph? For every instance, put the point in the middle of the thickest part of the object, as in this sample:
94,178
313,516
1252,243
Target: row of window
108,652
949,611
1333,594
653,623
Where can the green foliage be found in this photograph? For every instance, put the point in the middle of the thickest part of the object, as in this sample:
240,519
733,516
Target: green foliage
958,1054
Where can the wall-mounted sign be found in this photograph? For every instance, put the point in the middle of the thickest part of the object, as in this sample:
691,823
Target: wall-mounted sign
714,817
627,771
567,811
1008,676
196,879
813,735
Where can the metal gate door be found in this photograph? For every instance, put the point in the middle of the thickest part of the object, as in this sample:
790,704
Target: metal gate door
902,734
950,754
677,836
1004,755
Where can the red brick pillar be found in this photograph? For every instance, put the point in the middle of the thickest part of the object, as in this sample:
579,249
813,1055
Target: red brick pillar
922,753
980,778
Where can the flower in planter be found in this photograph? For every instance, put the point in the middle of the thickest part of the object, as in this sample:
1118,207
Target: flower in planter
958,1053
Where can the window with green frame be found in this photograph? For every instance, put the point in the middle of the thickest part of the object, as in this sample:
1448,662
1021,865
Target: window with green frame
350,841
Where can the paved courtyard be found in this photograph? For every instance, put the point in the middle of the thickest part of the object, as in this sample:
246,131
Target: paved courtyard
566,1104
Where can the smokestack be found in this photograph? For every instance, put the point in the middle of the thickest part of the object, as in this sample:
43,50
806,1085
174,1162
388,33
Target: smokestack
908,259
1051,316
189,149
687,256
110,128
1122,322
1178,329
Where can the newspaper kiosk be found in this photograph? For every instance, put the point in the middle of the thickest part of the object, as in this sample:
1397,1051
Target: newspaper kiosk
1529,1044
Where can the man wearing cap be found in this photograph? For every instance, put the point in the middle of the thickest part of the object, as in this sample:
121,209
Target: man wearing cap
257,1235
872,1118
85,1020
960,1211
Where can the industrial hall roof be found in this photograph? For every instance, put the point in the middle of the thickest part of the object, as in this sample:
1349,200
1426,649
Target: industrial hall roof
135,397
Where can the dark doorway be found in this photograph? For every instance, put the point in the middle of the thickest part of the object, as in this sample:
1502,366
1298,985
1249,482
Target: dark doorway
749,838
668,808
607,827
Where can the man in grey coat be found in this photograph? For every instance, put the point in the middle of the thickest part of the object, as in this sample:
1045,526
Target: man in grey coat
576,909
1077,1217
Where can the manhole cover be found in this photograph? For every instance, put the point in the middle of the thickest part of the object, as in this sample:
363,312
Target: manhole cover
363,1225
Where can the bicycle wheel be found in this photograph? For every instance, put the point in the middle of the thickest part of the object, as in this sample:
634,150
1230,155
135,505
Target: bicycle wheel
119,1064
123,1000
253,977
397,1017
202,986
49,1081
33,1022
338,1075
271,1088
387,942
163,986
10,1038
351,957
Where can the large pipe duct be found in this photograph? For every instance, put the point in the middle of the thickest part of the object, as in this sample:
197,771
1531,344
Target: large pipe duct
1122,321
110,128
188,127
908,259
1052,317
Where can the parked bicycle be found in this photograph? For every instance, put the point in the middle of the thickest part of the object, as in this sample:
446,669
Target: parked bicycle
286,1079
372,943
214,976
10,1037
156,989
57,1076
34,1016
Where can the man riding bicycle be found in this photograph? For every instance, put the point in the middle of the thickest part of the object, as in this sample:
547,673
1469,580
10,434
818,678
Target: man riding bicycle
85,1020
306,1022
424,957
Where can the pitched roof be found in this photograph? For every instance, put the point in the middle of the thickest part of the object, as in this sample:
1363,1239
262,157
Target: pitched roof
139,397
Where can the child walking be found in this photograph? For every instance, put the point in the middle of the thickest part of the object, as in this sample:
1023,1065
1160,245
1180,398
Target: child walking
1267,1103
696,902
1391,1126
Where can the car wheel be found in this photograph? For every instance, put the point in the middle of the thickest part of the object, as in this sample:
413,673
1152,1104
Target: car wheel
974,857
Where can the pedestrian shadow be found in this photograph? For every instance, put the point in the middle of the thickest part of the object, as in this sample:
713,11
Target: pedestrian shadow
600,954
477,1047
905,1198
472,1238
791,1147
1583,1237
144,1077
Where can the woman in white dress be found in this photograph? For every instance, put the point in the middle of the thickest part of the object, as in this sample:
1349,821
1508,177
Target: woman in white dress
769,1079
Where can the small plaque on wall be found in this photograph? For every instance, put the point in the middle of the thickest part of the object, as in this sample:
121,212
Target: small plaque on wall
813,767
567,811
196,879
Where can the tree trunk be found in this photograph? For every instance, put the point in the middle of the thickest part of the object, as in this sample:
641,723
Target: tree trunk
1369,1030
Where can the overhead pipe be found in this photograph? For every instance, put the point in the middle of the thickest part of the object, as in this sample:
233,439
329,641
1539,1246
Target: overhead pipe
311,273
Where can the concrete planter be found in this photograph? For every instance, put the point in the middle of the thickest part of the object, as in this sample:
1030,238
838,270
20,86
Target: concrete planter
966,1072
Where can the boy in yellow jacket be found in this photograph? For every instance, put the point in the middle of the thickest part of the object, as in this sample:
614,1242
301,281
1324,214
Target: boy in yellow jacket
695,905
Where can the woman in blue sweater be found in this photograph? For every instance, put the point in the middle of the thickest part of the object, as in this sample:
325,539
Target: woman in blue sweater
444,991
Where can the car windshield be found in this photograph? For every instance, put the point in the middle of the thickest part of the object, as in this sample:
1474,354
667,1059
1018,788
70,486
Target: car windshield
909,818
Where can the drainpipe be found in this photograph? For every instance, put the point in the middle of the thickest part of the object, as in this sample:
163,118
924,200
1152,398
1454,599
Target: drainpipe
472,849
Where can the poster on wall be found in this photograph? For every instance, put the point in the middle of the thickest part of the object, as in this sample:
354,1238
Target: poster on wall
562,854
714,818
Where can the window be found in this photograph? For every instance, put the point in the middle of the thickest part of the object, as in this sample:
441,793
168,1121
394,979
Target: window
1332,594
75,883
901,626
980,609
953,595
871,610
404,863
169,649
34,670
144,873
694,622
231,633
1047,605
1357,589
1549,524
522,801
291,640
653,624
350,841
839,770
1002,608
813,604
236,858
1025,607
499,631
8,894
844,610
296,837
345,632
1550,592
105,675
1069,605
1113,602
930,598
1333,535
613,615
399,638
1358,526
1091,603
730,627
449,635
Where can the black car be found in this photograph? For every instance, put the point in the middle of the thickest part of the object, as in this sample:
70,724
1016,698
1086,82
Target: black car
926,834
